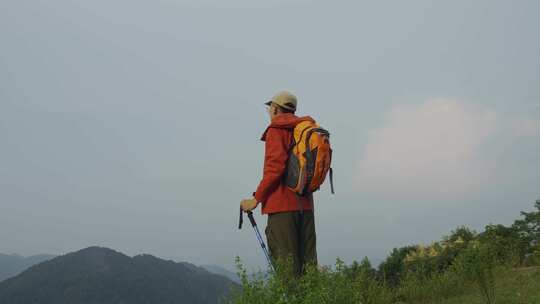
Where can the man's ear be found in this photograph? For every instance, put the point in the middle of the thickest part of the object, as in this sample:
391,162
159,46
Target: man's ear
275,111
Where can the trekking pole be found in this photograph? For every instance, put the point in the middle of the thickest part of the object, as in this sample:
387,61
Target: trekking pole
257,233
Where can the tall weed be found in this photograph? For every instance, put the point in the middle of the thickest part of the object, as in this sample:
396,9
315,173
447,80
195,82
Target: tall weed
318,285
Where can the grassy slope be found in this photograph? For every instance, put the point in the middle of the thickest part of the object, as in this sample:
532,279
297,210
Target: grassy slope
518,286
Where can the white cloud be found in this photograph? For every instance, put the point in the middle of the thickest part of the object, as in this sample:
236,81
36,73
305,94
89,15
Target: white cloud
431,149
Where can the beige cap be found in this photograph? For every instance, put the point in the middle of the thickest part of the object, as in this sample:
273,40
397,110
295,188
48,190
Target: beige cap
285,100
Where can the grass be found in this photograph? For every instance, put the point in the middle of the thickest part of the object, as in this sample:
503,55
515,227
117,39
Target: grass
515,286
511,286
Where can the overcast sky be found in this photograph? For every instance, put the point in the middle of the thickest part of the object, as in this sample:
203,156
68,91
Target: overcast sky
135,125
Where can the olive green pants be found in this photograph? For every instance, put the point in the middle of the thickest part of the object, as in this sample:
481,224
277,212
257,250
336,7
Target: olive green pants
292,235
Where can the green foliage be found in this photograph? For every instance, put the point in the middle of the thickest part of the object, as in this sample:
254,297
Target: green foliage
419,288
513,286
461,234
414,270
477,265
535,257
446,268
426,261
367,288
528,229
531,222
506,243
393,268
463,259
439,271
342,284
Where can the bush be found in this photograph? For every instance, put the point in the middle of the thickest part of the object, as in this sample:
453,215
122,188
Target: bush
342,284
368,290
418,288
506,245
477,265
393,269
533,258
474,265
415,274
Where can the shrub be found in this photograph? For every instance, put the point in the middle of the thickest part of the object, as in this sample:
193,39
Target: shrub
418,288
477,266
393,269
505,244
342,284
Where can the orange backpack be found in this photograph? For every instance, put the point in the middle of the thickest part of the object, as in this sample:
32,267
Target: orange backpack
309,160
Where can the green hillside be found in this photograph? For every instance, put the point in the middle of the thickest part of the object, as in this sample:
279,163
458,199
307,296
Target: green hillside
500,264
516,286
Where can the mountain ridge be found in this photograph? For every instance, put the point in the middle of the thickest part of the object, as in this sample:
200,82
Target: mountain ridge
102,275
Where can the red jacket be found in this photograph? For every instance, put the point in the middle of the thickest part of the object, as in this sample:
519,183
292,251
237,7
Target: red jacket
272,192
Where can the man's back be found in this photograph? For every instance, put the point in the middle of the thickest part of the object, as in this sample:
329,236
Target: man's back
274,195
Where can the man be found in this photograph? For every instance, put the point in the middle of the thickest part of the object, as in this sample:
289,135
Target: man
290,229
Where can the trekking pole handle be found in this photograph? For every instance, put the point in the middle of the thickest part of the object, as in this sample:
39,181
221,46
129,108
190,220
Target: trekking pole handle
251,219
241,218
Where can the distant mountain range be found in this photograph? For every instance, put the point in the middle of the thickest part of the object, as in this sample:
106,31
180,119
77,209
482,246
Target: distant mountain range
13,264
101,275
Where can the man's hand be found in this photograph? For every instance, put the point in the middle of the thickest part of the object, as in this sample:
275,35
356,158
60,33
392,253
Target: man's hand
248,204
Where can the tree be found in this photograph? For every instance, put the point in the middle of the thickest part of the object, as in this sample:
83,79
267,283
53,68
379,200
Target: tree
506,243
528,229
529,226
393,268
